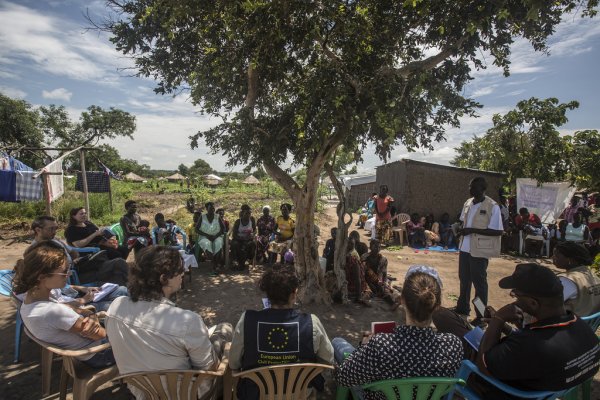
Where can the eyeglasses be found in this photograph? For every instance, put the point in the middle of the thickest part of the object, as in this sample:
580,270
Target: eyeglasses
68,273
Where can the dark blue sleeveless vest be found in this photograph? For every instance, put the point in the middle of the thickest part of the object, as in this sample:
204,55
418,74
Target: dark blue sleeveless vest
276,336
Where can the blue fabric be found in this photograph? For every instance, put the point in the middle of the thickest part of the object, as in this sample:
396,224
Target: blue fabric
17,165
8,186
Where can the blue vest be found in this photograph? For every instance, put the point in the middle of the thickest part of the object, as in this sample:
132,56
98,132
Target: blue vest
276,336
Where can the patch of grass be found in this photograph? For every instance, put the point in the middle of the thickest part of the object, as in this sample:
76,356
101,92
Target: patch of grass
451,296
394,248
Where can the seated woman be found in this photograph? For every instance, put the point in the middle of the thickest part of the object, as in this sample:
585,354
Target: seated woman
284,233
191,233
242,242
431,237
375,265
412,350
443,228
82,233
361,247
581,287
358,289
576,231
278,335
266,229
148,332
165,233
210,230
135,230
44,267
416,231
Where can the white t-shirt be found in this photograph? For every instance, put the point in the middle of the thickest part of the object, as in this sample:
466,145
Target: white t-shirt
495,223
569,288
50,322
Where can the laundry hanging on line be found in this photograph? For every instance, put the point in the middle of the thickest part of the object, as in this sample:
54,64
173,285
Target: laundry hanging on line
97,182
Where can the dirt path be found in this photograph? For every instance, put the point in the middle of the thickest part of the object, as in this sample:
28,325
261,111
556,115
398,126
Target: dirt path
223,298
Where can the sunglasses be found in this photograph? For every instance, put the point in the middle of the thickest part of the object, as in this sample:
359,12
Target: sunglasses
68,273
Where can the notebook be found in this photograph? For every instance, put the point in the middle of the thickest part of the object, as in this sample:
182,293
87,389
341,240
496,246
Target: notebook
383,327
473,337
105,290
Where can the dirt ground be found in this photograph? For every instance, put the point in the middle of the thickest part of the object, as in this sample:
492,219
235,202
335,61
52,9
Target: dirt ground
223,298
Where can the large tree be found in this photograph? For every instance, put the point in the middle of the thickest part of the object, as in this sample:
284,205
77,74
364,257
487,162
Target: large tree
526,143
200,168
94,125
20,127
294,80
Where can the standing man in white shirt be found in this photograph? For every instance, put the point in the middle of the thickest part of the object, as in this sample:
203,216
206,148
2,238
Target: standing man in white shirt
481,234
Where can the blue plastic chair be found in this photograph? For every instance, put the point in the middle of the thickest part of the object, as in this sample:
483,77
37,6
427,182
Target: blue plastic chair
593,321
467,368
6,277
83,250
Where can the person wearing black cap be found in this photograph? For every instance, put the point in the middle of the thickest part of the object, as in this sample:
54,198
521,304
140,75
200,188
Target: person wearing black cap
556,351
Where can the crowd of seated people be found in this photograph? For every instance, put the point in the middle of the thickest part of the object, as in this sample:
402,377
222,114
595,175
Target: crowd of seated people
52,308
544,315
425,231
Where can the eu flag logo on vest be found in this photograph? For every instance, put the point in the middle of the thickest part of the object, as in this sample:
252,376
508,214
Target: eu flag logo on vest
278,338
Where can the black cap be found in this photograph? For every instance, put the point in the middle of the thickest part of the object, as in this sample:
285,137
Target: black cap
533,279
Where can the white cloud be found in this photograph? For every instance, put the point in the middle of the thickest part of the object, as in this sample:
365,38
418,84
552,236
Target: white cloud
56,46
12,92
57,94
484,91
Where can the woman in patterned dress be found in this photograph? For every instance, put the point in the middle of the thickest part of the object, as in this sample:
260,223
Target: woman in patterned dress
266,228
210,230
412,350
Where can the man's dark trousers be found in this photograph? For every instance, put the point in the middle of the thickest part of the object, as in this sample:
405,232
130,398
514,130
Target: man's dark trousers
471,270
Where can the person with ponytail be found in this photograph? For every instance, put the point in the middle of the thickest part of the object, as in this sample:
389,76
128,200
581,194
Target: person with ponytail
45,267
412,350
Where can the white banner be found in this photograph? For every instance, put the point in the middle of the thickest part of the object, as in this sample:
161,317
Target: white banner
547,201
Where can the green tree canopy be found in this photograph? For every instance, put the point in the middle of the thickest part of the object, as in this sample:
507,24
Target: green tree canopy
110,157
19,127
526,143
199,168
94,125
296,80
183,169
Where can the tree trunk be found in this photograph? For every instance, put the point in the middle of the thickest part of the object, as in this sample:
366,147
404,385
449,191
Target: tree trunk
306,256
341,239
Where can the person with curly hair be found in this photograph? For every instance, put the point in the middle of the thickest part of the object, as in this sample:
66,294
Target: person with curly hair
149,332
44,268
279,334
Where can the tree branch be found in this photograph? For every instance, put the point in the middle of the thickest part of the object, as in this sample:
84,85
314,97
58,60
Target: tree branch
282,178
426,64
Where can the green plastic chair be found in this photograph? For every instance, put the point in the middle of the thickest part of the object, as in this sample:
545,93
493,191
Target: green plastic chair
420,388
118,231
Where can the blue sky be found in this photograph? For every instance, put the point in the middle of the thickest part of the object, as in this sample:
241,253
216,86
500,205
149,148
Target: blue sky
47,56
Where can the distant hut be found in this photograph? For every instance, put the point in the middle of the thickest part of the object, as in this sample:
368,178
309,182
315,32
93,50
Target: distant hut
133,177
212,180
251,180
176,177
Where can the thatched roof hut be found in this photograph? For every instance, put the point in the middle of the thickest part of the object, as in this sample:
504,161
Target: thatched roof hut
133,177
176,177
251,180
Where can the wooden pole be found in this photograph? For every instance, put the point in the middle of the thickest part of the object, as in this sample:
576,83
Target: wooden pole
46,194
84,180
